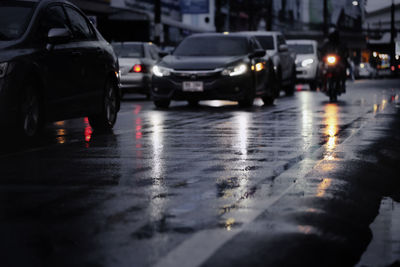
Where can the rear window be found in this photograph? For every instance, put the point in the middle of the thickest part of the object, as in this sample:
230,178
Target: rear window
302,49
267,42
128,50
212,46
14,19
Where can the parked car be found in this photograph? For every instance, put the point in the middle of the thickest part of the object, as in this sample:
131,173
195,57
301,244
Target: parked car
275,45
136,59
213,66
365,70
308,64
54,65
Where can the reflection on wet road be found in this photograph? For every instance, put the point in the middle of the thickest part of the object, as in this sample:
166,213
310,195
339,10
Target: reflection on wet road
214,185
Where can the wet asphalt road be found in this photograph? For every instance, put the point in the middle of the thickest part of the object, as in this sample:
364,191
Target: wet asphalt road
297,183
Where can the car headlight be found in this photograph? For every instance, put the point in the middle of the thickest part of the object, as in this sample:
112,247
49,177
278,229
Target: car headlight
3,69
235,71
307,62
161,71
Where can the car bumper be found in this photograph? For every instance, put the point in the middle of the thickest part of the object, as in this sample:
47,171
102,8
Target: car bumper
306,74
222,88
135,82
8,104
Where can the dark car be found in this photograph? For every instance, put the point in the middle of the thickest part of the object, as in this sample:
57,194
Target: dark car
54,65
213,66
136,59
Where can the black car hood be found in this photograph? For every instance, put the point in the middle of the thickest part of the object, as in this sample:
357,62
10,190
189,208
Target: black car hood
199,63
6,53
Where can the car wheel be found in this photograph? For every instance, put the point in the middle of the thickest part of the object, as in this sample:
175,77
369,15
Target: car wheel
313,85
106,119
162,103
289,90
193,103
271,90
248,99
278,84
31,119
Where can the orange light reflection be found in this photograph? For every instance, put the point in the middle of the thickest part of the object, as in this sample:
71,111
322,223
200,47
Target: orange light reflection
331,130
323,186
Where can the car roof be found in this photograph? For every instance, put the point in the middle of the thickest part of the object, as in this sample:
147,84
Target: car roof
216,34
301,41
132,43
259,33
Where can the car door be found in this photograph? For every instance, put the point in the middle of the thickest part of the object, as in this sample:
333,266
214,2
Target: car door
58,65
92,69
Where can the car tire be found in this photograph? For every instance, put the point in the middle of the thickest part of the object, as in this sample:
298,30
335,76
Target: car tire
313,85
247,101
193,103
271,90
31,119
164,103
110,105
289,90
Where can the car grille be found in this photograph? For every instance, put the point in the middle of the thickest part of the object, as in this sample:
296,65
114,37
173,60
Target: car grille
203,75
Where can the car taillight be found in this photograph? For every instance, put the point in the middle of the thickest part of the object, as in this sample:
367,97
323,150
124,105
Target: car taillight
137,68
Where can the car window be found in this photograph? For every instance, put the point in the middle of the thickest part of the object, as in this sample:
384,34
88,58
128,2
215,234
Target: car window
267,42
14,19
212,46
281,40
53,17
127,50
153,52
302,49
80,26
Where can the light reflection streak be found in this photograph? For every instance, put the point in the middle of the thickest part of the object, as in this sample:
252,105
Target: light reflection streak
331,130
158,145
242,136
158,191
307,119
323,186
88,130
229,223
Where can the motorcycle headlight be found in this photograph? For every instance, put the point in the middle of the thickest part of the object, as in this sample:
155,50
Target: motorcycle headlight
3,69
161,71
307,62
331,60
235,71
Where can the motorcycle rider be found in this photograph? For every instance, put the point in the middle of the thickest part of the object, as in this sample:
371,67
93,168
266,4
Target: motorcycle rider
334,46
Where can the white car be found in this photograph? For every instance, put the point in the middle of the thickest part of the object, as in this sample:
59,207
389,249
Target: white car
365,70
136,60
277,49
308,64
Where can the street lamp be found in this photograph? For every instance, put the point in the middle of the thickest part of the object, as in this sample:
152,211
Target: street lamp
355,3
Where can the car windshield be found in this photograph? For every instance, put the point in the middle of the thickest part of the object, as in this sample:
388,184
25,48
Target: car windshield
302,49
212,46
128,50
267,42
14,19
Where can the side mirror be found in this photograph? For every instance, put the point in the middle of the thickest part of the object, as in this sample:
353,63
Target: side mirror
283,48
58,36
257,53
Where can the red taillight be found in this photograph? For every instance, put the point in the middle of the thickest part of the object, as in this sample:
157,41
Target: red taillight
398,66
392,68
137,68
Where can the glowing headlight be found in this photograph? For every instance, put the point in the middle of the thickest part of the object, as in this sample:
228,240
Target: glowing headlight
235,71
331,60
3,69
307,62
161,71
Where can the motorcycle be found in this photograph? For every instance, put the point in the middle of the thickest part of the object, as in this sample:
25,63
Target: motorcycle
333,81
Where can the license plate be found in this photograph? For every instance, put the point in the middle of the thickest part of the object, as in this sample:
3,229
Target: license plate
192,86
